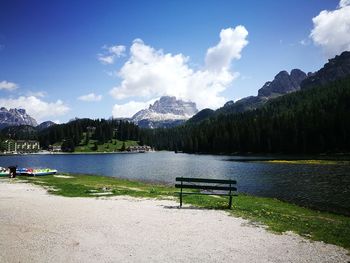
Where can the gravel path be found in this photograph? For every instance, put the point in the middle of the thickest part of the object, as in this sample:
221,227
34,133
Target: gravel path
37,227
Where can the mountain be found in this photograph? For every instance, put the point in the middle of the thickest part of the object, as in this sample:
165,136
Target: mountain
283,83
15,117
201,115
164,113
312,120
45,125
336,68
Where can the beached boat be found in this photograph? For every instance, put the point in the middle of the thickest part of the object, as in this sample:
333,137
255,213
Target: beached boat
36,172
4,172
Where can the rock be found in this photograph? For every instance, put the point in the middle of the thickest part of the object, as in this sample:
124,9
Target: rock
165,112
283,83
15,117
45,125
336,68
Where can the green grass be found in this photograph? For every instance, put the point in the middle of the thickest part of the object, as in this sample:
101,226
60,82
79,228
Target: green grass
312,162
278,216
110,146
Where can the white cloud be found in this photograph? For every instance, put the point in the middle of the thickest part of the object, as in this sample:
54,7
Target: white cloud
117,50
232,41
128,109
304,42
344,3
150,73
35,107
6,85
106,59
40,94
332,29
90,97
111,54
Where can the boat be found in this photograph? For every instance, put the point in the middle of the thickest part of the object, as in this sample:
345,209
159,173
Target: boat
4,172
36,172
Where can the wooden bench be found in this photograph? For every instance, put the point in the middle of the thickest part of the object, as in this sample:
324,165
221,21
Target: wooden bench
206,187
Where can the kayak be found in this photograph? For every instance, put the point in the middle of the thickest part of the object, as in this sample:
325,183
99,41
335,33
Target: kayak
36,172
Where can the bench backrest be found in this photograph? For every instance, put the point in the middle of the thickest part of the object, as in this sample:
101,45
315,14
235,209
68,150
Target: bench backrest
206,184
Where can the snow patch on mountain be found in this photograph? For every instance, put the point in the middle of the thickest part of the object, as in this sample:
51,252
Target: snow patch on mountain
165,112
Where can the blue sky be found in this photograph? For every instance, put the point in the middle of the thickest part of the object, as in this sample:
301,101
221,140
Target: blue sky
56,56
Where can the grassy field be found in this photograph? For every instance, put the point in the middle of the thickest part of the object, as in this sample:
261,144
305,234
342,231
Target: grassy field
278,216
110,146
312,162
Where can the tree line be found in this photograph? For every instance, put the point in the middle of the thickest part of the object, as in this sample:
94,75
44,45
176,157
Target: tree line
315,120
80,131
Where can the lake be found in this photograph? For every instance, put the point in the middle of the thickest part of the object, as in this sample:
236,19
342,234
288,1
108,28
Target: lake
324,187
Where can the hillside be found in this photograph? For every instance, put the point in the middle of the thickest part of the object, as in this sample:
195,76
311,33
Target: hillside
313,120
284,83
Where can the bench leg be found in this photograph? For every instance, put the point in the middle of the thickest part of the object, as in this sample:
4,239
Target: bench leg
181,199
230,202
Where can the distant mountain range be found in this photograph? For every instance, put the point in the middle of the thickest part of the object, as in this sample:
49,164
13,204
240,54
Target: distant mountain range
169,112
282,84
19,117
164,113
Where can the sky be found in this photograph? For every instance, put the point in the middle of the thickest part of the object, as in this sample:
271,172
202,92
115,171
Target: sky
97,59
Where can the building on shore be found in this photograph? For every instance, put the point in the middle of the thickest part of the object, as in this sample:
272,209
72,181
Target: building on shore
55,148
21,146
139,149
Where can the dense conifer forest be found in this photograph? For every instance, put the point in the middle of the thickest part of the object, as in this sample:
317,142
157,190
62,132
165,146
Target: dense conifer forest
314,120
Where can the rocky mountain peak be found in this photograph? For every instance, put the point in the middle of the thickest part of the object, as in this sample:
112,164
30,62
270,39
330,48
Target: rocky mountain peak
15,117
167,104
165,112
283,83
336,68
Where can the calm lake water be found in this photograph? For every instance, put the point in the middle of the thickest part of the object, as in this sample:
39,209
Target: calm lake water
324,187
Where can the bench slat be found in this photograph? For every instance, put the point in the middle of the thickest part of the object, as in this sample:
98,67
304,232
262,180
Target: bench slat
206,187
196,193
203,180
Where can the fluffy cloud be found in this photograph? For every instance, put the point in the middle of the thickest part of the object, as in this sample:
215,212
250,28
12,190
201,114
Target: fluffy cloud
36,107
344,3
232,41
90,97
127,110
5,85
151,73
111,53
332,29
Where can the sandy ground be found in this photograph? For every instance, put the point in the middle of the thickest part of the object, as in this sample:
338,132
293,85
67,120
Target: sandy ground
37,227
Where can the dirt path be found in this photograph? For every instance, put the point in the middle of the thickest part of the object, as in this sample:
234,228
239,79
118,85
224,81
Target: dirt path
37,227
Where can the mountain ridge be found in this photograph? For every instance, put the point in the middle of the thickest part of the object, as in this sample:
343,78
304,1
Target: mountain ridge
164,113
15,117
284,83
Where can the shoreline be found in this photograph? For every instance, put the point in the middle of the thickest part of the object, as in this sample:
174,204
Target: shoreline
54,228
278,216
245,157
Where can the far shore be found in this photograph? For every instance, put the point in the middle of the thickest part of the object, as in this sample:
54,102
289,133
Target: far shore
68,153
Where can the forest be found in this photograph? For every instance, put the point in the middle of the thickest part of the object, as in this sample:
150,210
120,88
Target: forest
314,120
76,132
